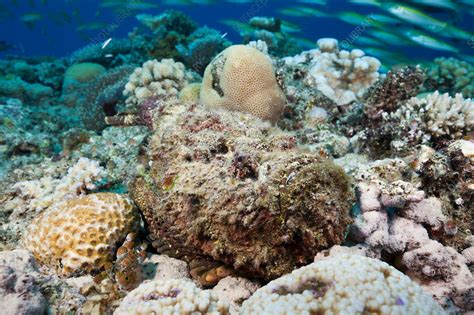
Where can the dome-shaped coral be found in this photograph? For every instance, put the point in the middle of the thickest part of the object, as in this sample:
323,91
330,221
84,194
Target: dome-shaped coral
242,78
344,284
82,73
80,234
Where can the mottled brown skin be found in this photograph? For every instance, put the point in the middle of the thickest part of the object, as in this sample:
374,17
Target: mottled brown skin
240,194
388,93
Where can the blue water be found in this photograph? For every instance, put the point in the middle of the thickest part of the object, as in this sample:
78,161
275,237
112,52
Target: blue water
48,38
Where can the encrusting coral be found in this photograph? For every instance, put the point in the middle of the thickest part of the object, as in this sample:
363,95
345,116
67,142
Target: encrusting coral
344,284
80,235
242,78
225,186
171,297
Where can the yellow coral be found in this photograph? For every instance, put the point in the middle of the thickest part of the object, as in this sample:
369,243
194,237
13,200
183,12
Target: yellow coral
80,235
242,78
190,93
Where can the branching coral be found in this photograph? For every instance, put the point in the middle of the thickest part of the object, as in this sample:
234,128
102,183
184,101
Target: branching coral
242,78
341,75
436,116
396,222
350,284
451,75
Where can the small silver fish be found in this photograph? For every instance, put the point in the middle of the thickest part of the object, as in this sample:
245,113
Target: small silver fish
106,43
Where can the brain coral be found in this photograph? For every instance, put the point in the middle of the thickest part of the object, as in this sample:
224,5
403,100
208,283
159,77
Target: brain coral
242,78
171,297
344,284
80,234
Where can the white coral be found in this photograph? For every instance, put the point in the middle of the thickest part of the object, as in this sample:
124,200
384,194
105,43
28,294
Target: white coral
155,78
438,115
45,191
344,284
171,297
341,75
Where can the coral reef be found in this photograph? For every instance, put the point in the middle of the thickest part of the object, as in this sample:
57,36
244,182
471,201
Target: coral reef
46,73
242,78
271,163
98,98
340,75
229,187
451,75
155,79
388,93
19,292
190,93
396,223
31,93
163,297
436,116
80,235
42,193
119,52
204,44
269,30
169,30
344,283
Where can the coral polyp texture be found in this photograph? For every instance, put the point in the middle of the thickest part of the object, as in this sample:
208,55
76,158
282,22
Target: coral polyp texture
80,235
241,78
341,75
171,297
228,187
163,78
344,284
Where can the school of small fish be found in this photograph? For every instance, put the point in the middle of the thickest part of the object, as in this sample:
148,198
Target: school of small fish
426,23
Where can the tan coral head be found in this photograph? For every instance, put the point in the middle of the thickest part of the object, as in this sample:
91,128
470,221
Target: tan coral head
242,78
